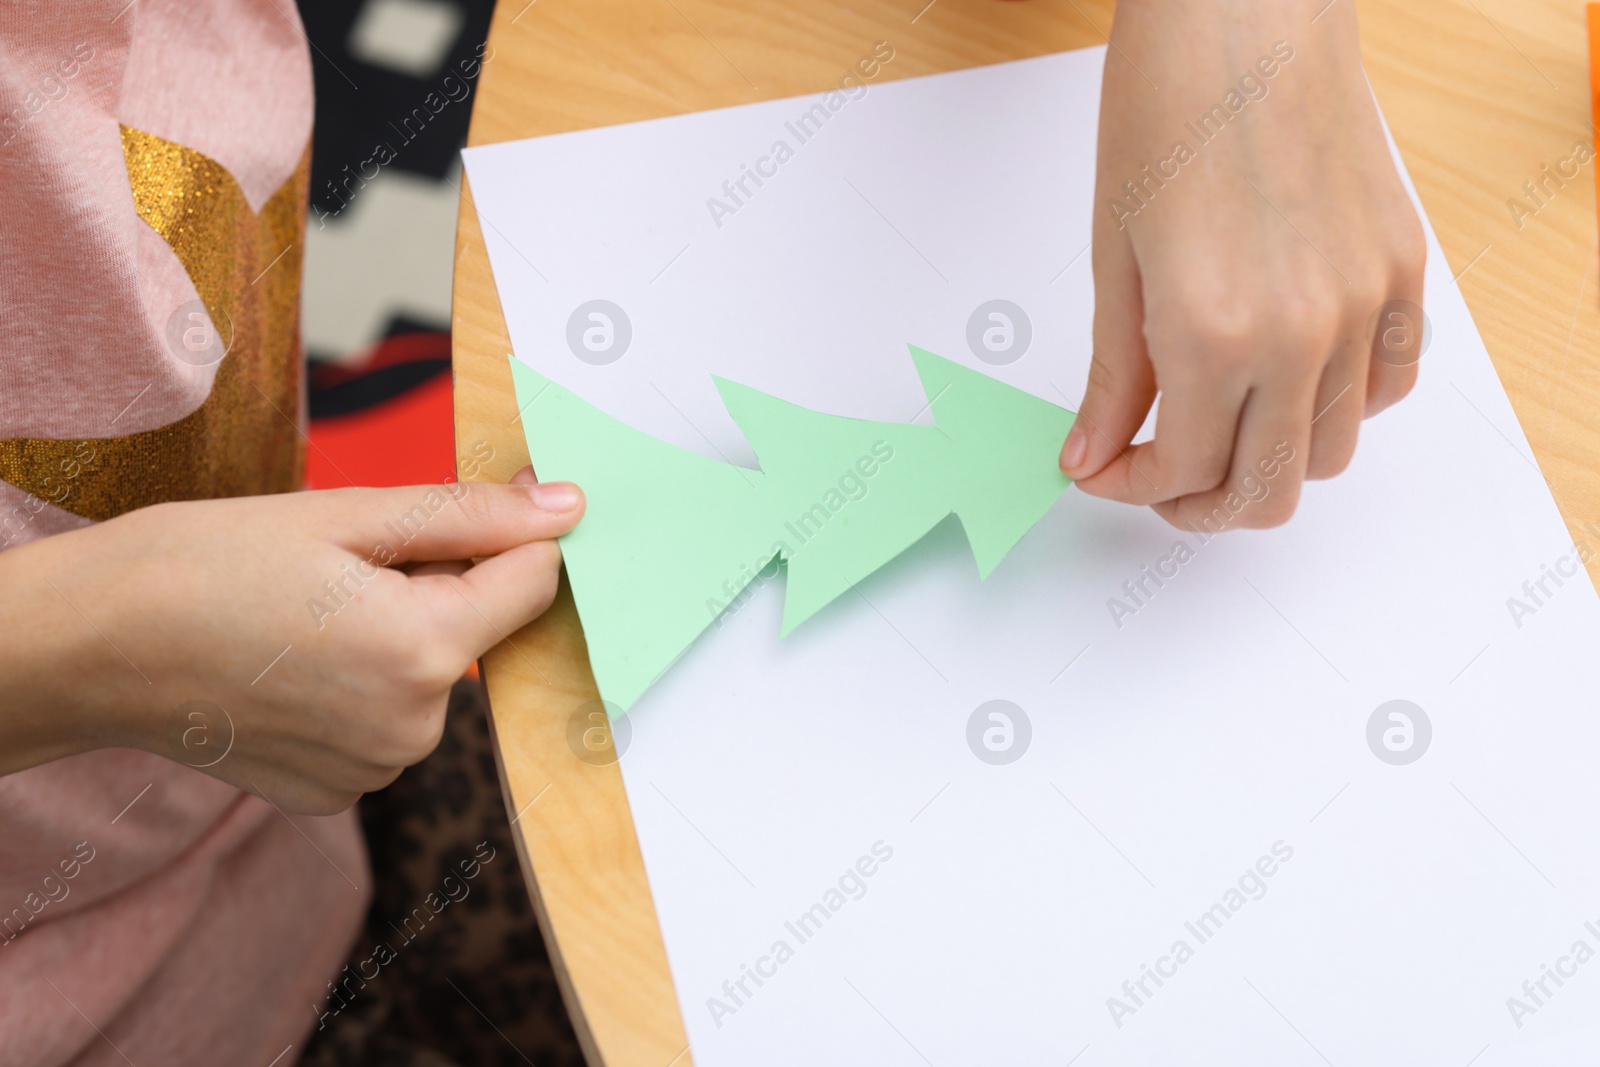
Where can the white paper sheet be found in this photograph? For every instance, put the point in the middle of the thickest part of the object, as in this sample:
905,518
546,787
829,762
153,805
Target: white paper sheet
1170,754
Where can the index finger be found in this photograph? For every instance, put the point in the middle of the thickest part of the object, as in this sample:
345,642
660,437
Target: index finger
455,520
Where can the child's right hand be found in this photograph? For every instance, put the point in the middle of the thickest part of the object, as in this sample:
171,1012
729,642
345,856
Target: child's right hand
329,626
1243,260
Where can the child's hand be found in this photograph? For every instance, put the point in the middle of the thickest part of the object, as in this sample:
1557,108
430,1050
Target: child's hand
328,626
1244,280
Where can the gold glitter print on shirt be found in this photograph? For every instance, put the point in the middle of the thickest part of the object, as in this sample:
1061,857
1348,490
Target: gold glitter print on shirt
244,439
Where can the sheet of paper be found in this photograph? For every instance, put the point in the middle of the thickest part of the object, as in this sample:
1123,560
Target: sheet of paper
1137,797
671,540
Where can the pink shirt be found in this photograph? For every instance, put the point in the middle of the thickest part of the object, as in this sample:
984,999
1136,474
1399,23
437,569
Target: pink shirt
148,912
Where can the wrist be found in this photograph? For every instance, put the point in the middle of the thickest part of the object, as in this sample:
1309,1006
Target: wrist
51,663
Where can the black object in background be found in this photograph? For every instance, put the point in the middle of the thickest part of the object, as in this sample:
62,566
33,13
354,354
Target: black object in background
361,106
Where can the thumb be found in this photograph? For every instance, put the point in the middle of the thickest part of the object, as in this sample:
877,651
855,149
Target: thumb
1122,383
496,597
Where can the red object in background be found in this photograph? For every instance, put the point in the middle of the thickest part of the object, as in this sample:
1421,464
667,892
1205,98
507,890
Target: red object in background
385,420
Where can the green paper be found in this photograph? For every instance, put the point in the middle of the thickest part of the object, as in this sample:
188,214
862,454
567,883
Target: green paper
671,538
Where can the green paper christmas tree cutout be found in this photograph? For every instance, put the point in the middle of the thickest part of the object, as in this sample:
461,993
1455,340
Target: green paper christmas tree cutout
671,538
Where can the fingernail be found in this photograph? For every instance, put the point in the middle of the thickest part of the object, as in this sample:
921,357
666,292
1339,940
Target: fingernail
1074,451
554,496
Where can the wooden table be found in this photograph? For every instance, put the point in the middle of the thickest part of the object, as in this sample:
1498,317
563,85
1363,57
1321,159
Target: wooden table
1479,94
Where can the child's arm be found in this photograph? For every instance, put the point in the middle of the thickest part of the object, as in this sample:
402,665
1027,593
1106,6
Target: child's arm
111,629
1249,227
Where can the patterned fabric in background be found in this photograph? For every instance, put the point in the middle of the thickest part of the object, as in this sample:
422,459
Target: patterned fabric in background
450,969
470,983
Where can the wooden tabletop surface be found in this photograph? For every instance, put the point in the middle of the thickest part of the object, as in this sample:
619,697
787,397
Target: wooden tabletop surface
1480,94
